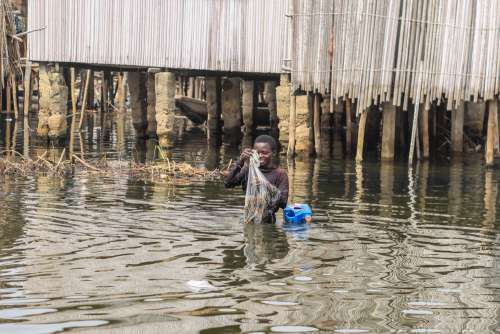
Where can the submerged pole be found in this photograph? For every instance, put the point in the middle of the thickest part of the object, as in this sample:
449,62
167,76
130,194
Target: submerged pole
457,129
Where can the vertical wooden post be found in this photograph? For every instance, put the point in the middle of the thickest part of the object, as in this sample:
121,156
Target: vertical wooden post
26,107
317,124
104,91
84,102
73,112
8,91
425,133
388,131
292,127
361,135
14,96
490,136
348,123
457,129
90,98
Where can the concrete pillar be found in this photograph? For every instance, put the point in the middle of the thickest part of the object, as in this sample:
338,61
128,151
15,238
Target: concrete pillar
151,105
388,131
303,126
283,108
138,92
270,97
457,129
213,104
165,86
52,103
248,104
231,105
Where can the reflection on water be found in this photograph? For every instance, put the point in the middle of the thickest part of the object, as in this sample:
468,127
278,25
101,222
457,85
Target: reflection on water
389,251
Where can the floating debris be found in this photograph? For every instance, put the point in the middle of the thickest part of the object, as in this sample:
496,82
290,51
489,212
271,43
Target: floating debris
293,329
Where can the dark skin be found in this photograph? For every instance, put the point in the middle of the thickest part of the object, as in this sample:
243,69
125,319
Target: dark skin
265,155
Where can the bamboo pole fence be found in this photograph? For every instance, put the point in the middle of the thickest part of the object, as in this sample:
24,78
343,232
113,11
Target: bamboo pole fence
398,50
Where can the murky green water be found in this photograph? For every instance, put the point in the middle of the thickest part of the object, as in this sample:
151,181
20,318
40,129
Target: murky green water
388,253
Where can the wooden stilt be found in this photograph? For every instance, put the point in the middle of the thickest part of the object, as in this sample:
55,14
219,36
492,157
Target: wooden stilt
361,135
14,96
292,127
490,140
317,124
8,91
73,112
26,107
348,123
27,89
84,101
388,131
104,92
457,129
425,133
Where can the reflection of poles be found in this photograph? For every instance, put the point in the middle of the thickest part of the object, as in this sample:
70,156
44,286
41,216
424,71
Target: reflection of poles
315,178
386,184
120,132
490,199
423,179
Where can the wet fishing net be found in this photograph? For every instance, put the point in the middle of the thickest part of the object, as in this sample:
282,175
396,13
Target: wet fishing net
260,195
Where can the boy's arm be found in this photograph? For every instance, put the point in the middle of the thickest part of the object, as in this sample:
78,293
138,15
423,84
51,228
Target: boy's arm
235,176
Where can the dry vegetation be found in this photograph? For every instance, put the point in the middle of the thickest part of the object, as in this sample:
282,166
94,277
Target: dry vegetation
13,163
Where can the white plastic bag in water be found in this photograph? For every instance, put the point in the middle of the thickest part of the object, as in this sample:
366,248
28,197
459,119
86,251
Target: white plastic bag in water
260,194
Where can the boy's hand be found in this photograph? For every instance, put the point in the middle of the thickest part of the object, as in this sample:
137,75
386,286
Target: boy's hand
245,155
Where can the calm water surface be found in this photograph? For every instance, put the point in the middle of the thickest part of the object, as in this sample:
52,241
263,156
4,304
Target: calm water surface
389,252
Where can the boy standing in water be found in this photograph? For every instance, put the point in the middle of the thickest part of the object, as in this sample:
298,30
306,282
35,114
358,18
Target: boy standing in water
266,148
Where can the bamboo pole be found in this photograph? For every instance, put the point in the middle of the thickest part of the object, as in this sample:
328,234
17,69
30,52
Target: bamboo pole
84,102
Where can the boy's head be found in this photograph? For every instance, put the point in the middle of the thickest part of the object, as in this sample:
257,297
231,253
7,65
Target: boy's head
266,147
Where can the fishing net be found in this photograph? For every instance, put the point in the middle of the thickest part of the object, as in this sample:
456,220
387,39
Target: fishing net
260,195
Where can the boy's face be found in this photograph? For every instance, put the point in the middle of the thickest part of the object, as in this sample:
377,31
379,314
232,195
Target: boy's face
265,154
